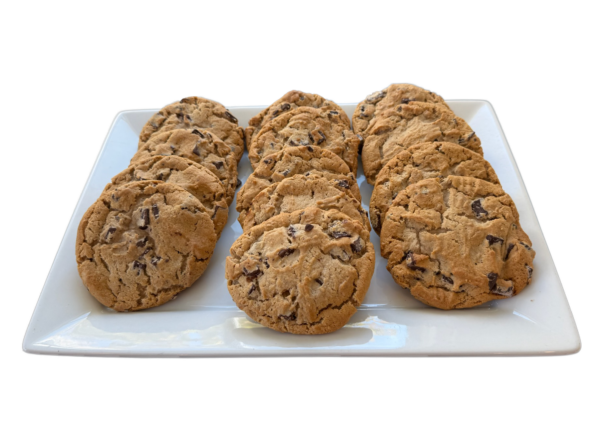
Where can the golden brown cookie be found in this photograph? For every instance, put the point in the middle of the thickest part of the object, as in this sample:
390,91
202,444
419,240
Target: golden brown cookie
456,243
142,243
422,161
304,273
414,123
189,175
200,146
197,113
300,192
306,126
304,160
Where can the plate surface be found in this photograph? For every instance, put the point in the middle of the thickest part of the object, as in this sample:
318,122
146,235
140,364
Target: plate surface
204,321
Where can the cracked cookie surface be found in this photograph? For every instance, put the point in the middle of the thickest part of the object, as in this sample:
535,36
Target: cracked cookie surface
303,273
456,243
200,146
142,243
290,101
397,129
300,192
422,161
291,161
197,113
306,126
189,175
391,97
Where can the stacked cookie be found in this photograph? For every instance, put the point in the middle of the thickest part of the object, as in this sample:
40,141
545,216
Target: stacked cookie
153,230
450,233
305,260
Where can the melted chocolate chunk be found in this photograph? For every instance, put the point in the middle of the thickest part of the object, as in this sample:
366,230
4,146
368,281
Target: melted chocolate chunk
252,289
252,275
144,252
335,113
155,211
290,317
309,148
356,246
405,101
504,291
308,227
478,208
266,263
447,279
376,97
285,252
109,232
155,260
291,231
410,263
144,220
492,278
510,247
267,161
320,141
525,245
292,143
196,151
142,242
285,172
194,131
338,235
139,266
318,280
231,117
312,139
343,183
218,164
494,239
529,272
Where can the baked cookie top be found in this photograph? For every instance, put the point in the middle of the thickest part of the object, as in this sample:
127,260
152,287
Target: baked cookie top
200,146
397,129
300,192
290,101
422,161
142,243
296,161
197,113
456,243
306,126
189,175
390,97
304,272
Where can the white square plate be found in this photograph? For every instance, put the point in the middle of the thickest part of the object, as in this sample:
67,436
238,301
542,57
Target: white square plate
204,321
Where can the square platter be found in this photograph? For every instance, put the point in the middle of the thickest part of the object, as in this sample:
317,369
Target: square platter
204,321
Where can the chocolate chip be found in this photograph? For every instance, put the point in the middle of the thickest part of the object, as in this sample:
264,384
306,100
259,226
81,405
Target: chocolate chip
285,172
252,289
447,279
405,101
312,139
285,252
410,263
159,177
320,141
196,132
376,97
291,317
335,113
308,227
155,260
399,109
238,183
216,211
179,116
362,109
142,242
115,198
478,209
196,151
356,246
292,143
110,231
377,223
529,272
144,219
318,280
309,148
188,117
343,183
291,231
525,245
231,117
252,275
338,235
285,107
155,211
504,291
510,247
145,252
268,161
494,239
492,278
266,263
139,266
218,164
470,136
185,100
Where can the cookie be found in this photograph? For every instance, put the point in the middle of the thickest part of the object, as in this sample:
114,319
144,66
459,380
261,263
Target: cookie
306,126
200,146
142,243
189,175
296,161
300,192
290,101
422,161
456,243
304,272
197,113
398,129
393,96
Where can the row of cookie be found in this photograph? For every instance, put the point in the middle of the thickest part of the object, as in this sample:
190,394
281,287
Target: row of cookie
302,119
153,230
449,231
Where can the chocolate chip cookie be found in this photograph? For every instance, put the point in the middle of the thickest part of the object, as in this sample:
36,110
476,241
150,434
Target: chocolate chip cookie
304,272
393,96
422,161
292,161
290,101
197,113
306,126
200,146
142,243
300,192
416,122
189,175
456,243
